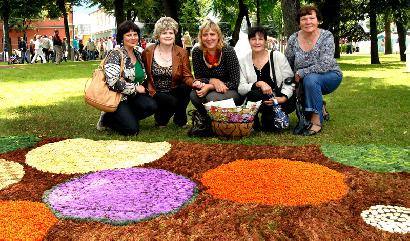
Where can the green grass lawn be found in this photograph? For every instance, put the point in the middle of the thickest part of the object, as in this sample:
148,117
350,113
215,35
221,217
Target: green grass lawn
370,107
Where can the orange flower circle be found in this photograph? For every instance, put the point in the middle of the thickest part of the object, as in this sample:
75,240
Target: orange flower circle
275,182
24,220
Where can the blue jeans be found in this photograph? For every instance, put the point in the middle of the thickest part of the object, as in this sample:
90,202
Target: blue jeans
314,86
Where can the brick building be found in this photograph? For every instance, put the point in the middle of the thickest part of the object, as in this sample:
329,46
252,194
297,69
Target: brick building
43,27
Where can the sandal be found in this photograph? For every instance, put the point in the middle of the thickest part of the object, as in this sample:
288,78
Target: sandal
310,132
326,114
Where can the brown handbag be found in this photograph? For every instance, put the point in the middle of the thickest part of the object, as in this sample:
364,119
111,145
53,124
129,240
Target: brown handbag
96,92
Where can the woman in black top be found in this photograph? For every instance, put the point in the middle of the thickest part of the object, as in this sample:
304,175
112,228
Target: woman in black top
216,66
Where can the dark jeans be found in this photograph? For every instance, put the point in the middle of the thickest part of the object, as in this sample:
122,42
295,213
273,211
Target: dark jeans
172,103
267,114
125,120
214,96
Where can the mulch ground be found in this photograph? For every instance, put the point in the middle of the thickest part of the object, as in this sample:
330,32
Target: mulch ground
208,218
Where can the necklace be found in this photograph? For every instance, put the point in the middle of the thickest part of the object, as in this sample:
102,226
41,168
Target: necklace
309,41
163,57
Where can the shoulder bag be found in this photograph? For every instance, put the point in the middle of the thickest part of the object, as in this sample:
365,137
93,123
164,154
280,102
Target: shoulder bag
96,92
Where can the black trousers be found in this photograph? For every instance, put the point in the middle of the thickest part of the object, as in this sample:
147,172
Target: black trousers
267,114
173,103
125,120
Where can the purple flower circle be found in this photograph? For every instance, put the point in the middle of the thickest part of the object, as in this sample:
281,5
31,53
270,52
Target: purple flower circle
120,196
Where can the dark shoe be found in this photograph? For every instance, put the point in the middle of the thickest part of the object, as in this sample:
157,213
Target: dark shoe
201,125
326,114
310,132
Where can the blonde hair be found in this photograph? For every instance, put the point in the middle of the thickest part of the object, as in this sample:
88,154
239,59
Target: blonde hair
163,24
207,25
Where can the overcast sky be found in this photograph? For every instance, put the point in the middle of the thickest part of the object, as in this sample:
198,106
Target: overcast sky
81,14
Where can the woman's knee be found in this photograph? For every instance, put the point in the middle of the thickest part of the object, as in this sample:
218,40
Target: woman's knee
311,81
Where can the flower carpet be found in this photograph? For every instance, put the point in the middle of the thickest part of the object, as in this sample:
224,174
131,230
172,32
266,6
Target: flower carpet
66,190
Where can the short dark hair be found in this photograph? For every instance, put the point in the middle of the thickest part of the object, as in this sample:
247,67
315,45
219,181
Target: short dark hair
124,28
307,10
257,29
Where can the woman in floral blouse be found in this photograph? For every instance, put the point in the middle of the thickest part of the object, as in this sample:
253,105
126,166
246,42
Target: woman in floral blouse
310,52
136,104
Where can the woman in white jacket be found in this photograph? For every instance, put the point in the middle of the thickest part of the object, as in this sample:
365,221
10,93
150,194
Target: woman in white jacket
266,75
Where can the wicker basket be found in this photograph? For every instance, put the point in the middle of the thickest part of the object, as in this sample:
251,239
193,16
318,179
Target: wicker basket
233,130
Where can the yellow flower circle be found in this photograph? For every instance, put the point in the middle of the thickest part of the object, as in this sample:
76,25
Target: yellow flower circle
10,173
24,220
84,155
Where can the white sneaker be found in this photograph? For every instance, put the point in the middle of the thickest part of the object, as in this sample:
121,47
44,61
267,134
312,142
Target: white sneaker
99,124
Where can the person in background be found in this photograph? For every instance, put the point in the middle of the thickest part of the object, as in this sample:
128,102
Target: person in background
216,68
23,49
109,45
169,74
65,49
83,52
135,104
76,48
46,46
262,79
90,47
58,47
143,43
310,52
187,42
38,51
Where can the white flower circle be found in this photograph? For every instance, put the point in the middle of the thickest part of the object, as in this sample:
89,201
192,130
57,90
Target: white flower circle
10,173
394,219
84,155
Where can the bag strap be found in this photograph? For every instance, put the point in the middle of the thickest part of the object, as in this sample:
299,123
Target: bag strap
272,70
102,63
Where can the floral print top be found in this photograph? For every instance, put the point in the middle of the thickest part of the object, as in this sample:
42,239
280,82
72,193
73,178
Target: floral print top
124,83
319,59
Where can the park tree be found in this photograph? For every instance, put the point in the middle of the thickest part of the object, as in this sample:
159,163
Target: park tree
374,53
190,16
289,11
18,14
388,48
57,8
5,16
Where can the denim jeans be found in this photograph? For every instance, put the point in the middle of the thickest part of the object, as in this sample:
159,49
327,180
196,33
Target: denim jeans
314,86
125,119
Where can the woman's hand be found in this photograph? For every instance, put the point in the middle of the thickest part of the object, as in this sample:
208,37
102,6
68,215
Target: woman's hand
204,90
266,89
197,84
140,89
280,100
220,86
297,77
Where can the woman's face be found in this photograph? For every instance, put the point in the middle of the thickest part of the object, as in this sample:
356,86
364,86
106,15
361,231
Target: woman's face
167,37
257,43
309,23
209,39
130,39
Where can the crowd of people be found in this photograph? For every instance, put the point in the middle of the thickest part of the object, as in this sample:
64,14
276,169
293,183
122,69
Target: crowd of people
159,81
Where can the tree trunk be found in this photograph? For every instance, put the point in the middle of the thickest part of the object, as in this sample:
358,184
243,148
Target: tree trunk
289,10
258,12
119,12
61,5
374,54
6,38
171,10
401,31
388,48
243,11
